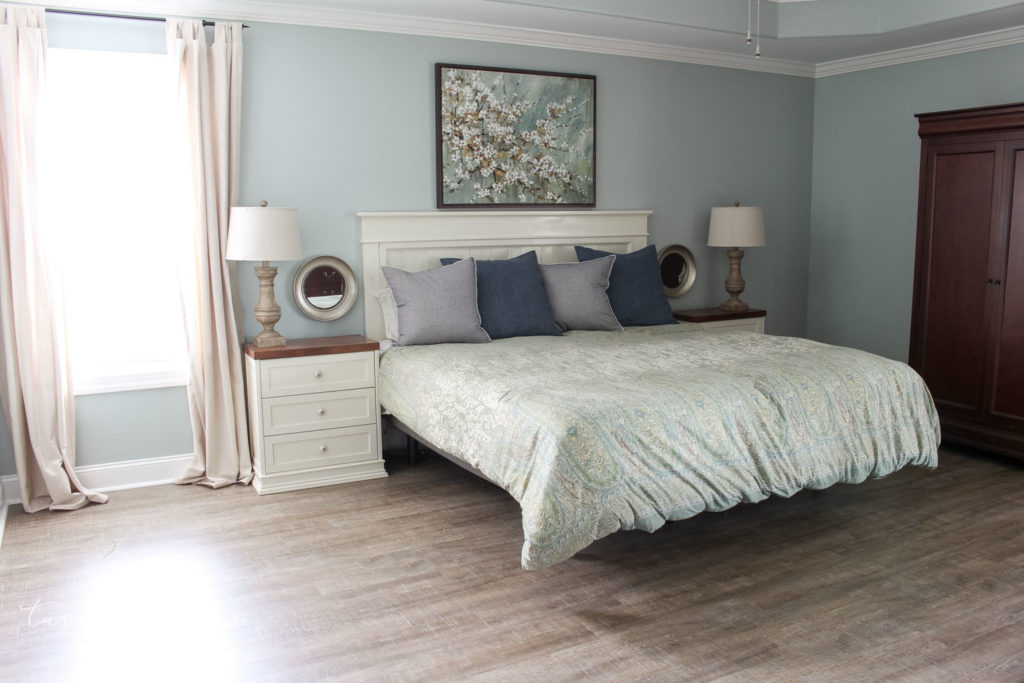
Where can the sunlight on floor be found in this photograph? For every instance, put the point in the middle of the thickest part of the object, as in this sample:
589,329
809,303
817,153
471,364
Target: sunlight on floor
155,615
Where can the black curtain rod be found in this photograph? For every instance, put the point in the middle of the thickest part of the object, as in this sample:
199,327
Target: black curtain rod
206,22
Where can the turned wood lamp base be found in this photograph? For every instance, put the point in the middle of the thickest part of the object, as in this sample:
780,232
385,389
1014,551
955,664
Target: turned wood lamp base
734,284
267,310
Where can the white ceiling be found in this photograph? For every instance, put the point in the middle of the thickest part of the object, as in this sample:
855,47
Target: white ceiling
691,23
802,37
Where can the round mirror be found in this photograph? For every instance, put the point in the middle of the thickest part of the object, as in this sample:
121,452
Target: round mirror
678,270
325,288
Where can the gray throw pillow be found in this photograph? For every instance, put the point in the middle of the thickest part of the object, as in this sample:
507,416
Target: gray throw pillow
436,306
578,294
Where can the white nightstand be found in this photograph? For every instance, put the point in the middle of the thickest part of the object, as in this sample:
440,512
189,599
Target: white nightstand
314,418
751,320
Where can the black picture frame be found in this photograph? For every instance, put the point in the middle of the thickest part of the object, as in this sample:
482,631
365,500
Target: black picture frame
514,138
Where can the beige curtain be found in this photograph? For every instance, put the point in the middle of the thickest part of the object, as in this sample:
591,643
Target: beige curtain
209,81
36,382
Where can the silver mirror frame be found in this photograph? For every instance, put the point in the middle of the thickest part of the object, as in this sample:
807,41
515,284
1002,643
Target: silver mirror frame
687,277
348,300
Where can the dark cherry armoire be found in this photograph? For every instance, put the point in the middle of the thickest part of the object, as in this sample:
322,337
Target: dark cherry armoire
967,329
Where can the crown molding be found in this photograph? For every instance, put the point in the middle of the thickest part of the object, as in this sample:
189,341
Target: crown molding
442,28
943,48
282,13
278,12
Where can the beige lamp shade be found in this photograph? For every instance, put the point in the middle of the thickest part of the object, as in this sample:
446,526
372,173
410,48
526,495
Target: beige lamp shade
263,233
736,226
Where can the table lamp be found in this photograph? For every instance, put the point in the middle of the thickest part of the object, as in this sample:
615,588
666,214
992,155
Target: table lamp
263,233
734,227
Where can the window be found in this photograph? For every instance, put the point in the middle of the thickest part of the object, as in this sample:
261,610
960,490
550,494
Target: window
114,205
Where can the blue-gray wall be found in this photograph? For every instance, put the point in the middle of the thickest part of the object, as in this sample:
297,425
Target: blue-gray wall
864,198
338,121
130,425
6,450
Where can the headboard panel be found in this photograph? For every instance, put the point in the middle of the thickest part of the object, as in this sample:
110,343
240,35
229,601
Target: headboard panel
418,240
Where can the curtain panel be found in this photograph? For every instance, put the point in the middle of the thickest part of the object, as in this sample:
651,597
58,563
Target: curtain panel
209,82
34,374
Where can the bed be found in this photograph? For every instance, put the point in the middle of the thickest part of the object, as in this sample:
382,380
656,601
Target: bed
593,432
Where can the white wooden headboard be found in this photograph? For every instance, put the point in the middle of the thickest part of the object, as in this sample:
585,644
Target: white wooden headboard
418,240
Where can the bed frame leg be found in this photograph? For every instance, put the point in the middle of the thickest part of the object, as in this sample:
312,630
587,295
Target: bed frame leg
412,447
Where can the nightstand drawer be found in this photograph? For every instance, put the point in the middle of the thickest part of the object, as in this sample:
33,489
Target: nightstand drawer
323,448
747,325
311,374
289,414
750,320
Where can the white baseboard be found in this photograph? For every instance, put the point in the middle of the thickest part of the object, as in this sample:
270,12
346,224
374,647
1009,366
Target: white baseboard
9,490
114,476
3,513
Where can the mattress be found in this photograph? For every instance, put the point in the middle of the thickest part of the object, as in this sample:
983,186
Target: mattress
593,432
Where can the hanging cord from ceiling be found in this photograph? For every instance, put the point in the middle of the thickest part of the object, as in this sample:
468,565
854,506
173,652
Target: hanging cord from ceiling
750,7
750,4
757,48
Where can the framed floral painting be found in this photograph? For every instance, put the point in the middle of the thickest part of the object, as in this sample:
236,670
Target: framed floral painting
514,139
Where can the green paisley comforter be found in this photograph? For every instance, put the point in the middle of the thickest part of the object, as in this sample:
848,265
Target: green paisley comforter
593,432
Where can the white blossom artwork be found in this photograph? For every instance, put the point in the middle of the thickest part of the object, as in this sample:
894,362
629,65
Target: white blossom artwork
514,138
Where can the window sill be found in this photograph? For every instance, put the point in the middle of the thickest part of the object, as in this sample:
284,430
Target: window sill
134,382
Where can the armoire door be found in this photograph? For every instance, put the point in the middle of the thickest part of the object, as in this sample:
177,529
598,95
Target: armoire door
954,310
1007,397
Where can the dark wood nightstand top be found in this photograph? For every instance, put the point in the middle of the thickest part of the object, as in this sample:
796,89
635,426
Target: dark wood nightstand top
707,315
319,346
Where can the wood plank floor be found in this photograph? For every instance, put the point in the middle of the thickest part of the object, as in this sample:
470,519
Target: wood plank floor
919,576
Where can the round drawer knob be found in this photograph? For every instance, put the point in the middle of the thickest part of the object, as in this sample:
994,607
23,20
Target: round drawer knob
323,449
318,374
321,412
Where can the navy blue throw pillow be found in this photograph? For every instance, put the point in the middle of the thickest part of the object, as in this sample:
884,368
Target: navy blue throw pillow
512,299
635,289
